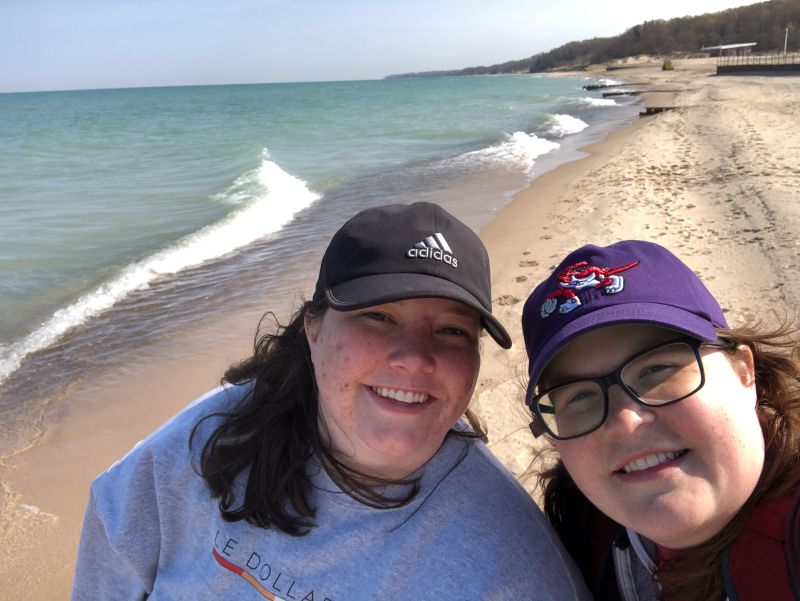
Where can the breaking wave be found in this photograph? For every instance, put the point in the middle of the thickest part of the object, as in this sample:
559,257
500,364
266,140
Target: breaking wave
264,200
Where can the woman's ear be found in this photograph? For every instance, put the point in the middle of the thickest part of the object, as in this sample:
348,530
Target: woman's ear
311,327
744,364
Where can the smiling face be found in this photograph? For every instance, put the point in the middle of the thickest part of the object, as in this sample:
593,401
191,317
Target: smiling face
393,379
676,474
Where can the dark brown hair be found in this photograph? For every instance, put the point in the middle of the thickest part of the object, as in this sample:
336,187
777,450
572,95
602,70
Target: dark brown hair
274,433
696,574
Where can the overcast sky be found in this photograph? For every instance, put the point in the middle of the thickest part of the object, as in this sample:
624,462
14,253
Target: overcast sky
74,44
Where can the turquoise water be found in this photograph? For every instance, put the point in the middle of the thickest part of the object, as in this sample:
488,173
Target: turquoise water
121,207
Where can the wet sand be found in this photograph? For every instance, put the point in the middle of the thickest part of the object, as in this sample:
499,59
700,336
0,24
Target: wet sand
715,179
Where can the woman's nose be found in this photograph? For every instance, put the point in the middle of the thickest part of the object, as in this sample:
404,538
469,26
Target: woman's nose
413,351
625,414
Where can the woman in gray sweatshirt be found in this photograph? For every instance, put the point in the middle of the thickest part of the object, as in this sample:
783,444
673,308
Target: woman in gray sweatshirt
334,463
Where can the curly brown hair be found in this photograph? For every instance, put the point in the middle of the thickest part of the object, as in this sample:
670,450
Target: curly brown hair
696,574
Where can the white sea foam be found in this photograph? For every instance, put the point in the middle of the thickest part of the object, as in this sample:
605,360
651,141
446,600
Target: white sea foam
598,101
37,511
564,125
266,199
608,82
518,149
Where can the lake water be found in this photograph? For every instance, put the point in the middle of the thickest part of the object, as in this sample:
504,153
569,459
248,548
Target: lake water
134,213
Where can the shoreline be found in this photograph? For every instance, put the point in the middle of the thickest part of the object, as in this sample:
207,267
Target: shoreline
672,178
473,182
82,443
517,240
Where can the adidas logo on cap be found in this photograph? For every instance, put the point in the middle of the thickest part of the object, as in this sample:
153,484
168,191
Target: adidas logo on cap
433,247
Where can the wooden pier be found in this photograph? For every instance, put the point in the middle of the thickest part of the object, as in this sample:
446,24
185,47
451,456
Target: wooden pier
654,110
773,63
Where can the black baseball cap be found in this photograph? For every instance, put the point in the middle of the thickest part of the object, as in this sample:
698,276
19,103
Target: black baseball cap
398,252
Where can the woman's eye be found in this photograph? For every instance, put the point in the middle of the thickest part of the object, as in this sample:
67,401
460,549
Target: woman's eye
654,369
574,400
466,333
454,331
376,316
581,396
657,372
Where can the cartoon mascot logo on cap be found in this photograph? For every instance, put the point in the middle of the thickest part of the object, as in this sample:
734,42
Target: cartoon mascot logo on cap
578,277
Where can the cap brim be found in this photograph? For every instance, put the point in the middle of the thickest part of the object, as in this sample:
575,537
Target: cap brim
666,316
377,289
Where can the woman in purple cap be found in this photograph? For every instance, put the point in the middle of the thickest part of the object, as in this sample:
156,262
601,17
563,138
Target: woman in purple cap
333,464
678,438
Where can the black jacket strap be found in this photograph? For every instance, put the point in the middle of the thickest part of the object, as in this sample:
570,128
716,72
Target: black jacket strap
727,578
793,547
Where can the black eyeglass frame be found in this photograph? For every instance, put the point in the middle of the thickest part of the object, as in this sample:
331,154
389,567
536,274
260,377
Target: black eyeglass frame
539,426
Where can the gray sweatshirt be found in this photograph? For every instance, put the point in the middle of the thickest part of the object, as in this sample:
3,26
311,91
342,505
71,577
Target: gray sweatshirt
152,531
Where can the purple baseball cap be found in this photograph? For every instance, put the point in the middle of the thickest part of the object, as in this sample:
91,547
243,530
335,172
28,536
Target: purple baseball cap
627,282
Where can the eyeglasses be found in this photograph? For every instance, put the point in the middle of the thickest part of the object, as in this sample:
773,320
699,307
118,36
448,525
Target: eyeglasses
665,374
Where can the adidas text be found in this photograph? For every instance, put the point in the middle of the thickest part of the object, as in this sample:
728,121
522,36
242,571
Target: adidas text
432,253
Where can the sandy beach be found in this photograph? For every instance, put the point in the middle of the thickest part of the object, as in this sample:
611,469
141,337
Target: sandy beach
716,179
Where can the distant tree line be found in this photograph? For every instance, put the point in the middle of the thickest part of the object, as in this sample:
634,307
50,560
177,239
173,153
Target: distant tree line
764,23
